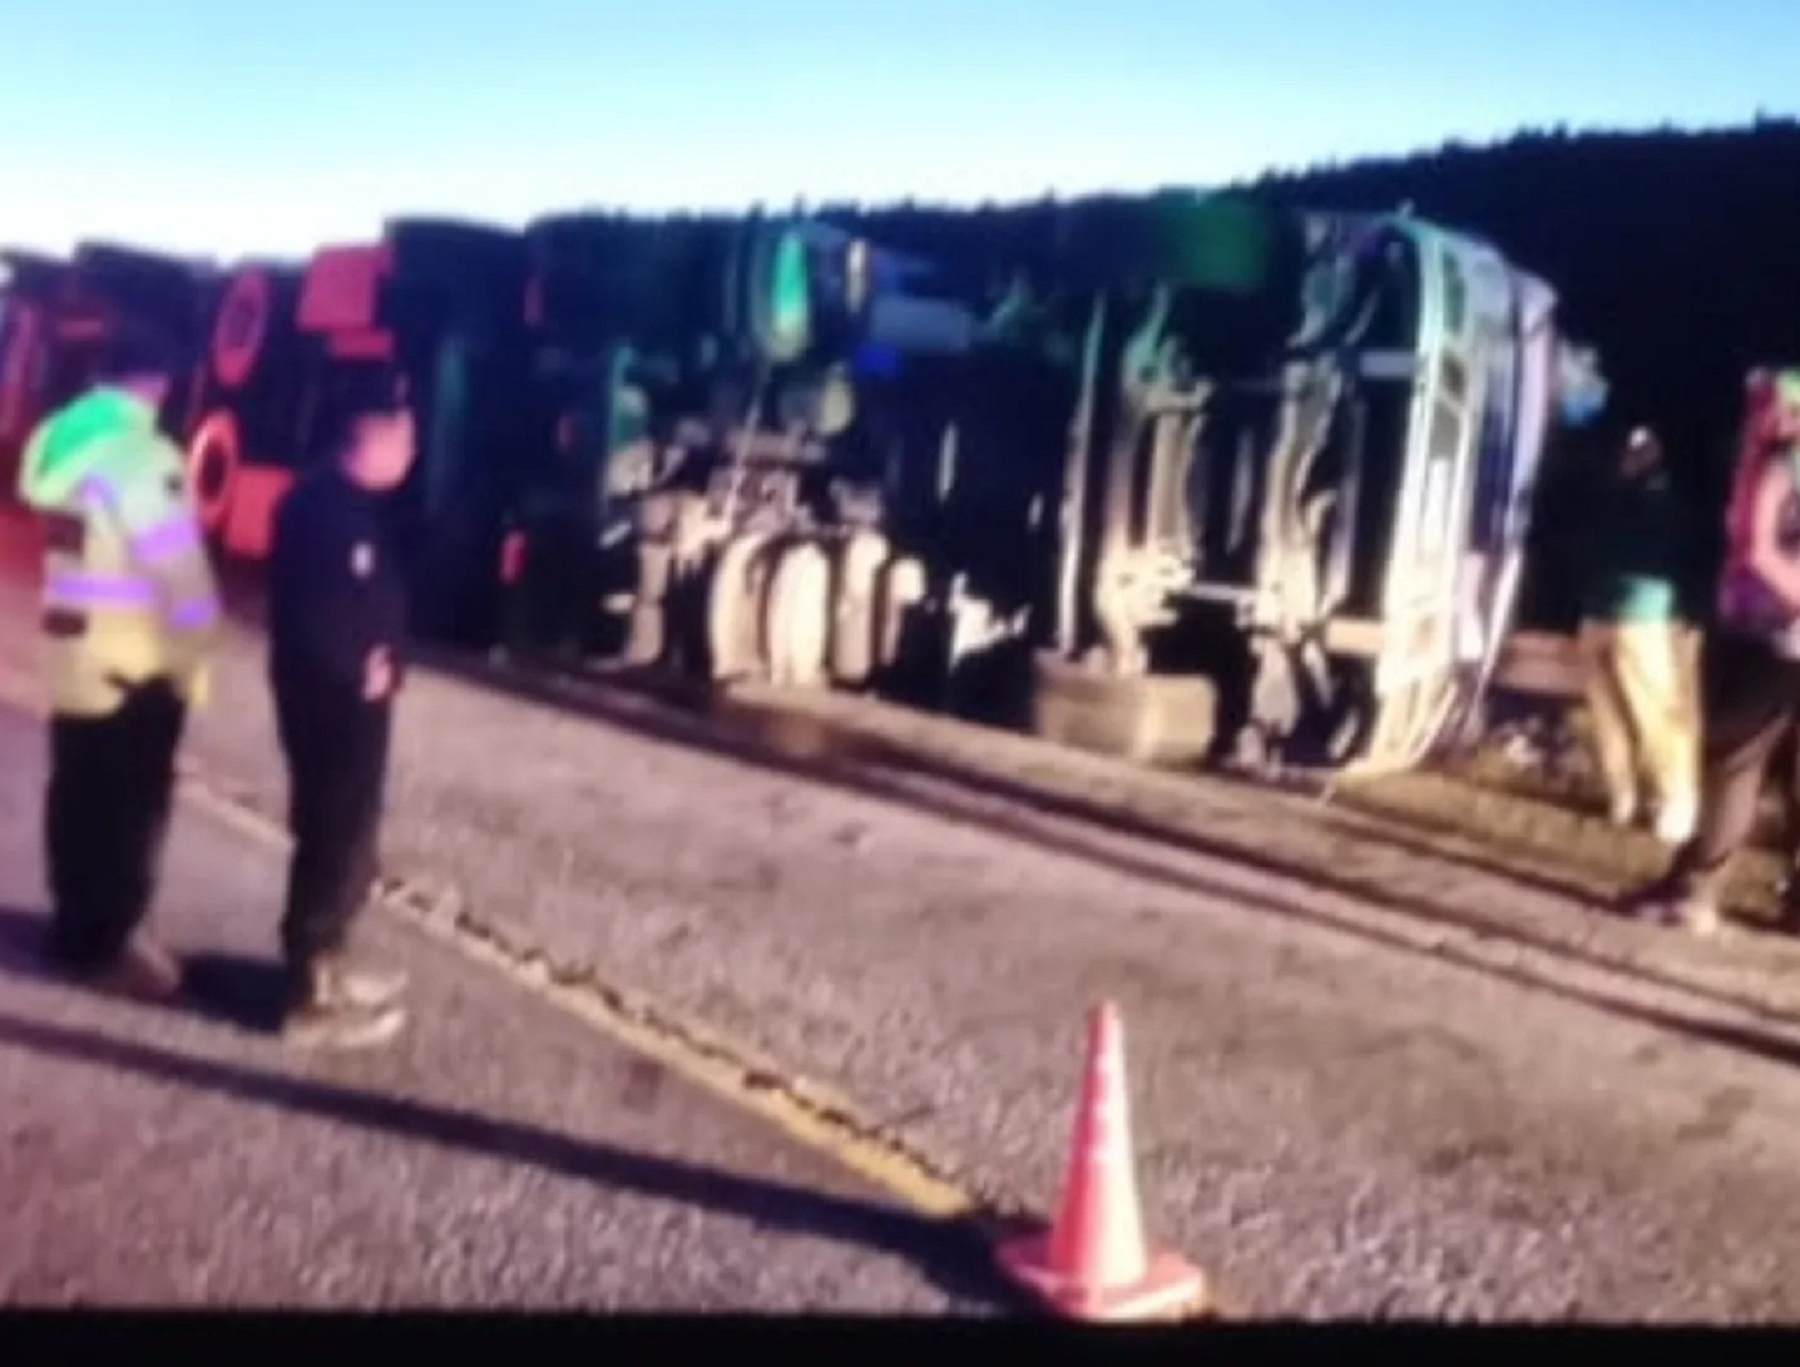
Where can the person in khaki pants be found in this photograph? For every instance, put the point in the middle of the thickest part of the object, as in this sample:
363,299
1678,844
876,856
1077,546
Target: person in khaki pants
1640,657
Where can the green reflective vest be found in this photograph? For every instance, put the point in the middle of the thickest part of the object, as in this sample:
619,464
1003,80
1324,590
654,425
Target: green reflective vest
129,593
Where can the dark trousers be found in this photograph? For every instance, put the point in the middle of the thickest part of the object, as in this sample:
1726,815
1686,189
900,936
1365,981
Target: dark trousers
106,818
337,754
1751,698
1787,778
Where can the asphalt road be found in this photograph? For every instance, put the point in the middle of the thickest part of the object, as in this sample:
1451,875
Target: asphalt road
501,1155
1342,1109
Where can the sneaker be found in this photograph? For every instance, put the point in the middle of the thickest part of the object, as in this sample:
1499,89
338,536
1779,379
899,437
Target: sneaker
341,1026
364,985
336,1007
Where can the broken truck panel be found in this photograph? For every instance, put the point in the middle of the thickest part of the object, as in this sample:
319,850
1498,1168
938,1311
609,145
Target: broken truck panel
1304,481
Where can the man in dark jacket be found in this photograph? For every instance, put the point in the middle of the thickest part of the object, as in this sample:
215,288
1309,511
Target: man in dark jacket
337,617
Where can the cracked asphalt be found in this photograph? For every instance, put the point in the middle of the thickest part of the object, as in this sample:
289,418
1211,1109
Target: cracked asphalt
1343,1108
502,1155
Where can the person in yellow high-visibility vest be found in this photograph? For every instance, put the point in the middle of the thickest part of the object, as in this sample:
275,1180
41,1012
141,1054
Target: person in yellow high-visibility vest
130,614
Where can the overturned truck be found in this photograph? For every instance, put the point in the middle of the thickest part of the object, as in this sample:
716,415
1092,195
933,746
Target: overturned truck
1193,477
736,449
1200,478
1295,483
430,305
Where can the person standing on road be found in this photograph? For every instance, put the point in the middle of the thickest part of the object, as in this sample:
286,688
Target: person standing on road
1640,655
337,619
130,615
1752,667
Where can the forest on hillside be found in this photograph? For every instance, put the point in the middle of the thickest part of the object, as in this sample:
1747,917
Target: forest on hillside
1676,254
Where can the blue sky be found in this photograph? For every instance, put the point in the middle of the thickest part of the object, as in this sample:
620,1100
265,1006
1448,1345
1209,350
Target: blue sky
235,126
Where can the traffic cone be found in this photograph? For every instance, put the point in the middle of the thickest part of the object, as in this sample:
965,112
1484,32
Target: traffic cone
1093,1264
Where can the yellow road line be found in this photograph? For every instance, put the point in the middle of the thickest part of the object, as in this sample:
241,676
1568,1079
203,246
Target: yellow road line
719,1068
745,1085
808,1115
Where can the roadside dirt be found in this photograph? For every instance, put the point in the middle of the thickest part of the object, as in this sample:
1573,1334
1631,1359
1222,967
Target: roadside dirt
1543,815
1402,840
1530,819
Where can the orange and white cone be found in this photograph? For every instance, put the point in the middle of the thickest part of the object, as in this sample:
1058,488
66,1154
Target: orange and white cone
1094,1264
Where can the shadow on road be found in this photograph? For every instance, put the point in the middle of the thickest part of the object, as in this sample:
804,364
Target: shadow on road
227,989
699,717
233,988
1761,1043
21,943
816,751
1353,824
951,1254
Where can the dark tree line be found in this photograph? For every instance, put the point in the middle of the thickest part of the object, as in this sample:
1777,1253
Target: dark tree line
1676,254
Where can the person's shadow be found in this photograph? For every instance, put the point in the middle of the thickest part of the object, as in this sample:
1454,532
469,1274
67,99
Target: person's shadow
229,989
952,1254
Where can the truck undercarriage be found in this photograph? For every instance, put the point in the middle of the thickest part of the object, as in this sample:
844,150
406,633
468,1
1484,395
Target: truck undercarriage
1294,491
737,470
1202,480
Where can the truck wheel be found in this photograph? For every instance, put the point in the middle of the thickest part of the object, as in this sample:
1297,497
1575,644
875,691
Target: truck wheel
900,589
212,464
241,327
853,607
734,595
797,616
